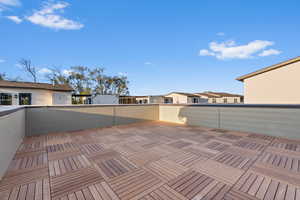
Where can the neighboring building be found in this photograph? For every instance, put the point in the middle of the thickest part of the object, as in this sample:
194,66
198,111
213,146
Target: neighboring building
221,97
81,99
98,99
28,93
156,99
277,84
184,98
105,99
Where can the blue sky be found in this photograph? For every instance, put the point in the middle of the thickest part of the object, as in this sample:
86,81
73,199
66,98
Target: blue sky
162,46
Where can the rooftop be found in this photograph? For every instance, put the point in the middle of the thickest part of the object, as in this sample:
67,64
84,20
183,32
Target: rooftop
270,68
153,160
31,85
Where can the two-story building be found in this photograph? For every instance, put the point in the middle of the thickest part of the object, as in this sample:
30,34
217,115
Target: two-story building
276,84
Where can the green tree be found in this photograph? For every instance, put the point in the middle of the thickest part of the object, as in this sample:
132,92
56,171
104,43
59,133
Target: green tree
56,76
2,76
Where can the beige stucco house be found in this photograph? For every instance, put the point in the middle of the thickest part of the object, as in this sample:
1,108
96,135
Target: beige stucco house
28,93
277,84
185,98
221,97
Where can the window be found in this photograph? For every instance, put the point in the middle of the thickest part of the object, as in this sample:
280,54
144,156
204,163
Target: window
195,100
235,100
24,98
214,100
5,99
168,100
225,100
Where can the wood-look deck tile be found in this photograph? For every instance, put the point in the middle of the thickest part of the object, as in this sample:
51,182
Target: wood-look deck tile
164,193
73,181
195,185
33,146
249,144
257,186
27,161
285,162
165,169
286,144
99,191
237,157
114,166
68,164
135,185
186,159
153,161
217,145
64,147
219,171
180,144
142,158
11,180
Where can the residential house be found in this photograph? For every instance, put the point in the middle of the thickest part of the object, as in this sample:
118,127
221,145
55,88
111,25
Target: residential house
150,99
184,98
28,93
221,97
98,99
276,84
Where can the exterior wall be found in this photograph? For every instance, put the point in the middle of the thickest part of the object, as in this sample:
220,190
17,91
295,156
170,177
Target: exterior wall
42,120
105,99
142,100
230,100
12,128
178,98
151,99
200,100
274,121
62,98
279,86
40,97
156,99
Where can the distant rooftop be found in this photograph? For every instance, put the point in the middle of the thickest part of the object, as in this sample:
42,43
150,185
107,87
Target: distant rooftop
31,85
218,94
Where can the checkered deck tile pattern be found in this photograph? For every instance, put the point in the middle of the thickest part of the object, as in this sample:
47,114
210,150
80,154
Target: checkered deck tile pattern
153,161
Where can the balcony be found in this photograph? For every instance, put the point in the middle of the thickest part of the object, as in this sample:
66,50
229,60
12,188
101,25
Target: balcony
150,152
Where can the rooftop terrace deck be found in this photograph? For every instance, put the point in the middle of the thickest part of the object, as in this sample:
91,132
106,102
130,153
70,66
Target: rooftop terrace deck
153,161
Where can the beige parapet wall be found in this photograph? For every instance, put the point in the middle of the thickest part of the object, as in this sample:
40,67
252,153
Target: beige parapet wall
12,131
43,120
276,120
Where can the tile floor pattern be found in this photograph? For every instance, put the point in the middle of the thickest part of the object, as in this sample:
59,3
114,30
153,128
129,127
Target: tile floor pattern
153,161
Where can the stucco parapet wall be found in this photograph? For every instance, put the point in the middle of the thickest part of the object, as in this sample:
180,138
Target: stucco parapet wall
238,105
92,105
5,110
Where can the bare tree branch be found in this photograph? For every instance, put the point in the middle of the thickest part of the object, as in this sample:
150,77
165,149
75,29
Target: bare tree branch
28,68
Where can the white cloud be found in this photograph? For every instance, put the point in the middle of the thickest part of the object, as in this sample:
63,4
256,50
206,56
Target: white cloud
270,52
2,61
49,16
10,2
148,63
220,34
230,50
44,71
15,19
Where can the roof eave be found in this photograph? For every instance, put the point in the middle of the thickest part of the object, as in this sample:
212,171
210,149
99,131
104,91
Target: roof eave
267,69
